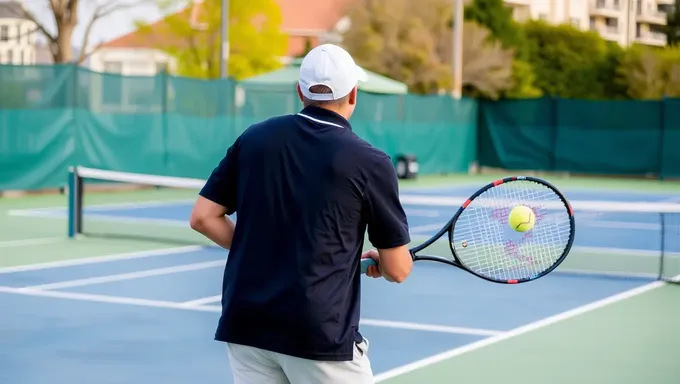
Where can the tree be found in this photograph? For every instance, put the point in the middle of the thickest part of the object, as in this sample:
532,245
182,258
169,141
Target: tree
673,25
570,63
671,67
524,82
255,38
66,15
498,18
651,74
412,42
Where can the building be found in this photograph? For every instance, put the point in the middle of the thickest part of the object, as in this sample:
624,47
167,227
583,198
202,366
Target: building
306,23
629,22
309,23
623,21
17,35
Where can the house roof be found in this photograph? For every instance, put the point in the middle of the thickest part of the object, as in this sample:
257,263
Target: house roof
158,36
12,10
300,17
288,76
317,15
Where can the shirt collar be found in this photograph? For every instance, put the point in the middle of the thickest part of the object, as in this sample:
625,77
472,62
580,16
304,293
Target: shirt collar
324,116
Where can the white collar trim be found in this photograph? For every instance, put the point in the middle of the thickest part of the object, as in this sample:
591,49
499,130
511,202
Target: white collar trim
319,121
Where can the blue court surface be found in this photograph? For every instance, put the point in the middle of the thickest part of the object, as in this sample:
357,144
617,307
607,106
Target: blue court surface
149,316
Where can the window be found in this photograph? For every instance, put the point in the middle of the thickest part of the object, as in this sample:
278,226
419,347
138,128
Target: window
113,67
575,22
138,68
23,57
666,8
657,29
19,34
10,57
4,33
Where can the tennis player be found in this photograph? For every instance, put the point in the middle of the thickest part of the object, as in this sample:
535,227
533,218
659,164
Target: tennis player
306,189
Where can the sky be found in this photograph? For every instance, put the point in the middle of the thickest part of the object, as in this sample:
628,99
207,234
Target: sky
106,29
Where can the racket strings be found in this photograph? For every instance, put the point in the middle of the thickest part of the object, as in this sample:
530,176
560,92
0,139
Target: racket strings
487,245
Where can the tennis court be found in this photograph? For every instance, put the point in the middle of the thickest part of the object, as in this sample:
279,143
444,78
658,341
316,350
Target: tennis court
136,298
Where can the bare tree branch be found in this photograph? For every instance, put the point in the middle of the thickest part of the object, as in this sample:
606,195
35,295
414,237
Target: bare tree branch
103,10
66,17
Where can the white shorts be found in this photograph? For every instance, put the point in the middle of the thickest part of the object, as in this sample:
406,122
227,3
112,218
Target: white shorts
257,366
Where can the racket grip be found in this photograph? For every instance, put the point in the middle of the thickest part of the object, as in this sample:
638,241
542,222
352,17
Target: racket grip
365,263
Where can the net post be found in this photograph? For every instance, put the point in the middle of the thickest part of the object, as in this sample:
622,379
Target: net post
71,204
74,202
662,246
79,203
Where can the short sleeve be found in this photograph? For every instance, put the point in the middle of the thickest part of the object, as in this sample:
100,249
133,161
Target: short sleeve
385,217
221,186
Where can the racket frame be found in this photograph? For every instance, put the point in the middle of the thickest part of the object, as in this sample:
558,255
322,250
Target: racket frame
450,226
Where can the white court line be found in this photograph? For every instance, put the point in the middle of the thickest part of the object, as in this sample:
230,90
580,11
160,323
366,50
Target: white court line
382,323
102,259
27,242
103,299
203,301
102,217
517,331
422,212
622,225
217,309
133,205
130,275
429,328
427,227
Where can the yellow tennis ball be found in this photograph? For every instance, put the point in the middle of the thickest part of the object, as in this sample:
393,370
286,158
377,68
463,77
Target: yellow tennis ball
521,218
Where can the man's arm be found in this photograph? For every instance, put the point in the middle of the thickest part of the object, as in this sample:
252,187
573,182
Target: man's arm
216,200
210,219
387,224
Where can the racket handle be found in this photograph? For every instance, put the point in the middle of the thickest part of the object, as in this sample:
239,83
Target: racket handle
365,263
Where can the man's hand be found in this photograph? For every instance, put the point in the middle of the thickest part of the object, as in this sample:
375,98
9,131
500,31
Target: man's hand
373,271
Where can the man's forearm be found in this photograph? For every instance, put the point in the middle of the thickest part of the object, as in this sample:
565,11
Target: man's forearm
219,230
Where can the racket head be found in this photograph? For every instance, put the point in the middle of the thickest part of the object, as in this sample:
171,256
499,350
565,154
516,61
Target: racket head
482,242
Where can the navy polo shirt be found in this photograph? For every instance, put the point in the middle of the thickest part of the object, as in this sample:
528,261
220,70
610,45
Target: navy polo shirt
306,189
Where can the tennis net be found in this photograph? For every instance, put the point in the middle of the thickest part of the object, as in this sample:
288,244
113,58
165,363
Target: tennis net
633,239
133,207
669,268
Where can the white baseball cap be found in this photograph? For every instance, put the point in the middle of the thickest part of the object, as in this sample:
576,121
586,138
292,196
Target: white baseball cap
332,66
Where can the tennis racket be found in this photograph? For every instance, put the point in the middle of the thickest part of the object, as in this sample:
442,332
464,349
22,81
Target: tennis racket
482,242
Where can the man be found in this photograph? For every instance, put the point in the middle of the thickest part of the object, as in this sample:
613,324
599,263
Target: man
306,188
